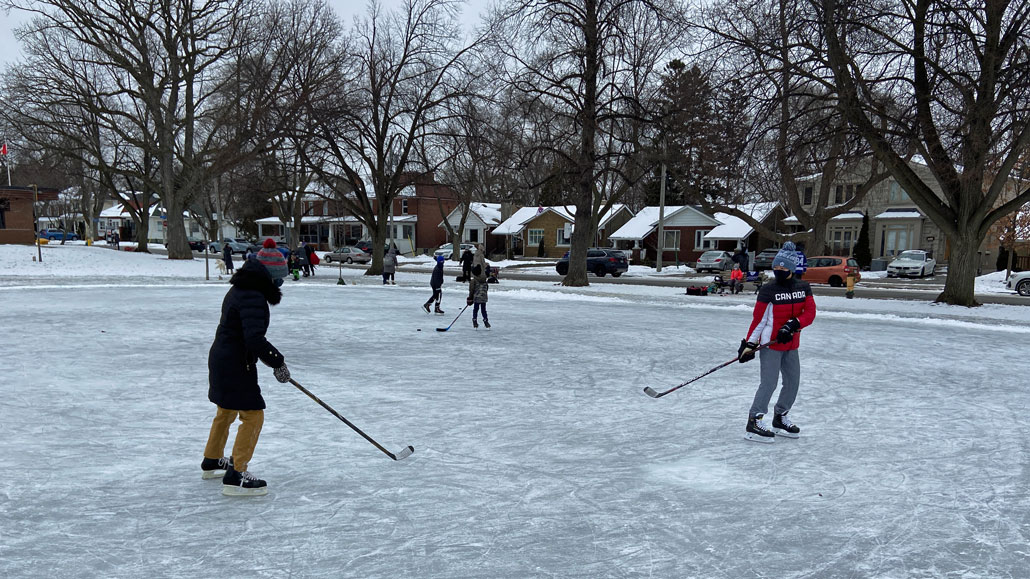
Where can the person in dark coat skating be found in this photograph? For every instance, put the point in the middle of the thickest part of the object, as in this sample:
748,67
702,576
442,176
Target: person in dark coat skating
466,265
227,258
436,283
233,379
309,262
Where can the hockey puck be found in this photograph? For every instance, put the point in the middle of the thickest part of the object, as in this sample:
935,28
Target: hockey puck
419,330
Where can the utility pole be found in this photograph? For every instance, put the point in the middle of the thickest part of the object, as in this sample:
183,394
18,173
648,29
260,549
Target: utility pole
661,221
35,223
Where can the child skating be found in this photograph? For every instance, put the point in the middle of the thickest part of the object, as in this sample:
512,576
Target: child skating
479,288
436,283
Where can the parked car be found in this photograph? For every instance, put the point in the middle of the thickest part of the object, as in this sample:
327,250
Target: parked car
57,235
600,261
912,263
347,254
445,249
714,261
364,245
764,259
831,269
195,245
236,245
1020,282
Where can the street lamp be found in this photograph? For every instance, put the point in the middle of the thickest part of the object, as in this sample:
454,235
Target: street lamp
35,223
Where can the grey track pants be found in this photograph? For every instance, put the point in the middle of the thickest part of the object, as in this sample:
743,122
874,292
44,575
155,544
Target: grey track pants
775,363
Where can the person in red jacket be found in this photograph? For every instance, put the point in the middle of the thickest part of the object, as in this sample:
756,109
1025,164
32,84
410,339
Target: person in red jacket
736,280
782,310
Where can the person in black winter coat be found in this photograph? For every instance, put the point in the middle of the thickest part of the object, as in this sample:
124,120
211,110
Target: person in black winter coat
233,380
308,252
436,282
466,265
227,258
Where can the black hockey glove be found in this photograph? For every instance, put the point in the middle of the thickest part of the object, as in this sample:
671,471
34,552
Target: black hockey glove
786,333
282,374
746,352
468,301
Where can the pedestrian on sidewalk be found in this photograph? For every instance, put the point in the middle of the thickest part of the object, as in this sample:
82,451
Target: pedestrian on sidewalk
227,258
782,309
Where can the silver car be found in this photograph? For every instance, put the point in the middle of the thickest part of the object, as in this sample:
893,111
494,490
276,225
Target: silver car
912,263
714,261
347,254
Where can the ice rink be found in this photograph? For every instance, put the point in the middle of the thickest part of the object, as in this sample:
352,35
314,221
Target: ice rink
536,453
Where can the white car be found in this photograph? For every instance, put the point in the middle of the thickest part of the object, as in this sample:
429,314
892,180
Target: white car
445,249
912,263
1019,282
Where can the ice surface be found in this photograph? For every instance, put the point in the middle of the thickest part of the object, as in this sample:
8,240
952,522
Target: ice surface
537,454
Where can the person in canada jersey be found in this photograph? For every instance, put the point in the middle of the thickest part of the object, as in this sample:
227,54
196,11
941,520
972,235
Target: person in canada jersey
782,310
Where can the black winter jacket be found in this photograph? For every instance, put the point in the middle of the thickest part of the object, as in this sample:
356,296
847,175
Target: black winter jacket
436,281
240,340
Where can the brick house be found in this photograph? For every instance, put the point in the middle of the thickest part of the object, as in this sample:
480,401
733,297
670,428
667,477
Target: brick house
685,228
528,226
17,219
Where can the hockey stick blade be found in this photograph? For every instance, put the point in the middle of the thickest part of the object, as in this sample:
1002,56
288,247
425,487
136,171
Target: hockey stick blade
442,329
404,453
652,392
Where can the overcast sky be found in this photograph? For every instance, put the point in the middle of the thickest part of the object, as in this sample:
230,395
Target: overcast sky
10,51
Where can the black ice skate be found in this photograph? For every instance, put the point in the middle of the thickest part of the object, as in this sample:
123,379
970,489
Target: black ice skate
438,311
784,427
486,323
756,431
242,484
475,324
425,307
214,467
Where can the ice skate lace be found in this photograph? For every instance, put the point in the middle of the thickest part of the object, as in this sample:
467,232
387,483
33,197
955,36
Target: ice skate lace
224,462
785,421
245,476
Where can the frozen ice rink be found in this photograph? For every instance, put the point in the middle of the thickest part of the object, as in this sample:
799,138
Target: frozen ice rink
536,453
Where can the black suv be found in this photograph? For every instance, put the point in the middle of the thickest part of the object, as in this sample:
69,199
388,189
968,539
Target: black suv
600,261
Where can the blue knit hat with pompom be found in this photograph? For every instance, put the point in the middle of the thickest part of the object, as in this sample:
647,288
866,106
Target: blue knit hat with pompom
787,257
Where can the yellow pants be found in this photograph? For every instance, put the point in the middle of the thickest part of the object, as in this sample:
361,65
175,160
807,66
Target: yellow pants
246,435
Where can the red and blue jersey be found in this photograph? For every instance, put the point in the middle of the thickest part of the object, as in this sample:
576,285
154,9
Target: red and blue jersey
776,304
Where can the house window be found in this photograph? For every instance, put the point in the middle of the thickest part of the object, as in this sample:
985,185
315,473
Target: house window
842,240
534,237
404,206
699,239
807,200
838,195
561,239
849,193
472,235
895,238
897,194
672,240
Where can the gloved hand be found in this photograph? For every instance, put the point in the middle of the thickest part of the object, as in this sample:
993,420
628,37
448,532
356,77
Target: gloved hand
468,301
746,352
786,333
282,373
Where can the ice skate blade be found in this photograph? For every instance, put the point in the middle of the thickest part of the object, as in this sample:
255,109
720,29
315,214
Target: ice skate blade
758,438
209,474
786,434
238,491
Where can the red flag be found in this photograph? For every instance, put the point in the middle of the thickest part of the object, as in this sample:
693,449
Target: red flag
3,149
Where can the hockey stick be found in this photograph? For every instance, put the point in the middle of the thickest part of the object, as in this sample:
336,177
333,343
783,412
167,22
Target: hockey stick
656,394
455,319
405,453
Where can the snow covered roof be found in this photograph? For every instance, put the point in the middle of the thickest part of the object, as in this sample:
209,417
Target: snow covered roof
735,228
489,213
842,217
900,214
644,222
517,222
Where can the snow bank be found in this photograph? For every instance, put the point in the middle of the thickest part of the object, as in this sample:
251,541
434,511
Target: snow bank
79,261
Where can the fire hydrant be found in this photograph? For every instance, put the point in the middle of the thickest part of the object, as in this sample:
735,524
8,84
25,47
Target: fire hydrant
851,286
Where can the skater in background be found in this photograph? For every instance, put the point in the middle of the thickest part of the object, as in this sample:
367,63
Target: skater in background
802,267
783,308
233,381
310,259
273,260
116,239
479,288
436,283
227,258
466,265
390,266
293,264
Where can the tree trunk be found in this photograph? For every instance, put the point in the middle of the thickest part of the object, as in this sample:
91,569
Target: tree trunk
456,246
577,276
962,267
378,244
816,242
142,231
175,233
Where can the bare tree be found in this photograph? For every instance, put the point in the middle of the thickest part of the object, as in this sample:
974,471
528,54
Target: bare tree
587,60
961,72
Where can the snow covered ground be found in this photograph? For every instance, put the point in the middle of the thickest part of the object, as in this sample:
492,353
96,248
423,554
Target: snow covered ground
536,455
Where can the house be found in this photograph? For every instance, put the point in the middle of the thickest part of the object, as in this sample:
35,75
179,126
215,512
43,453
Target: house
685,227
118,218
481,220
17,218
529,227
735,233
895,222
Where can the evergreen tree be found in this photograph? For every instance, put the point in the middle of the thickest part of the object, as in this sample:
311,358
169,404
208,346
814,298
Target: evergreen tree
863,253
